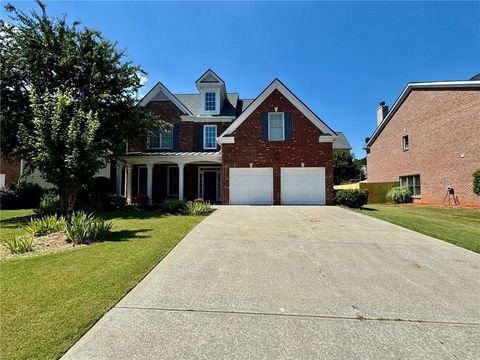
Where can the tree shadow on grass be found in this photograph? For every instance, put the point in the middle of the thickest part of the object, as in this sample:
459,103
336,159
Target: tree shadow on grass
133,214
368,209
15,221
127,235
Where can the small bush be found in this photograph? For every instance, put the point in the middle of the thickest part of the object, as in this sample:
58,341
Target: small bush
172,206
45,225
476,182
116,202
87,228
353,198
399,195
8,199
18,244
197,208
28,194
49,205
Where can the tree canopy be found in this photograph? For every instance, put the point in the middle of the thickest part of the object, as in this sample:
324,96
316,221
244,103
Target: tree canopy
345,167
68,98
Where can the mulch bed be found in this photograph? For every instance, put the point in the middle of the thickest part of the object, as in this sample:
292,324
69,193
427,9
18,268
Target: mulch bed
42,245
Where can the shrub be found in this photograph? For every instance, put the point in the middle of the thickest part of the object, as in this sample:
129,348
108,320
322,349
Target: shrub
353,198
8,199
476,182
18,244
49,205
87,228
172,206
197,208
45,225
28,194
399,195
116,202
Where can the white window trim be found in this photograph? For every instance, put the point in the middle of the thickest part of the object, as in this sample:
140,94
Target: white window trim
217,101
283,125
168,179
405,148
205,136
161,143
414,184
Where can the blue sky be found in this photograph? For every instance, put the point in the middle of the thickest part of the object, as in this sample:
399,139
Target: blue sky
340,58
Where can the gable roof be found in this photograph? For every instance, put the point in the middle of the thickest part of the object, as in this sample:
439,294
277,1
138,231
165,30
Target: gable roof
341,143
160,91
276,84
209,77
418,85
193,103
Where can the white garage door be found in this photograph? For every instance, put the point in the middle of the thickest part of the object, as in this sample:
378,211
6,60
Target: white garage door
251,186
303,186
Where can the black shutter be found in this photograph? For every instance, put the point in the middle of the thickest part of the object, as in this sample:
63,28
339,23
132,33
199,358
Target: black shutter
288,126
200,137
265,126
175,136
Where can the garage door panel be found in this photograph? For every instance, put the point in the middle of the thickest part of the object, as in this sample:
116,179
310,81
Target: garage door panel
251,186
303,186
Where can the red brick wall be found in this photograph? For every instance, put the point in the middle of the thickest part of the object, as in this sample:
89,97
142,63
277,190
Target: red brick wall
442,125
11,169
188,131
303,147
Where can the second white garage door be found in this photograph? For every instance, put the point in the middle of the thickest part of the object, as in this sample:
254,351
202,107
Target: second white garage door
303,186
251,186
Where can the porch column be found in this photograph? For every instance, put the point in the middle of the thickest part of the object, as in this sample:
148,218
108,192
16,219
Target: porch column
119,180
128,185
149,182
181,168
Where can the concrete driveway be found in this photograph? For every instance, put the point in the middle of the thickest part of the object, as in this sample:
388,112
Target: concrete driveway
298,283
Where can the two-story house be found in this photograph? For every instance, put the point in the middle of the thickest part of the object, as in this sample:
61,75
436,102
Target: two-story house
429,141
269,150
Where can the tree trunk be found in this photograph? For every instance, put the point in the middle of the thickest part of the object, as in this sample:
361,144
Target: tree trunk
70,196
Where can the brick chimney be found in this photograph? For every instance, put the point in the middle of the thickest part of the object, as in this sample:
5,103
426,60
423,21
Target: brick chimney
382,112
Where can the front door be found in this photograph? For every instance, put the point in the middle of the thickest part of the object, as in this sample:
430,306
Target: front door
210,186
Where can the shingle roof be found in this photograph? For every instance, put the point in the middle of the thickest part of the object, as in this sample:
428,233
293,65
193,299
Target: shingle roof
192,103
341,143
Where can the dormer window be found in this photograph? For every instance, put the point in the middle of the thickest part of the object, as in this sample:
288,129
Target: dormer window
210,101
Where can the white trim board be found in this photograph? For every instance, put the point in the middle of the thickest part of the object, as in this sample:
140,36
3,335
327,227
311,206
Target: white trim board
161,88
278,85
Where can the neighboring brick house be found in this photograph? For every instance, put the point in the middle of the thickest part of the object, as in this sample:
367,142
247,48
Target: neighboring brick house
429,140
9,171
269,150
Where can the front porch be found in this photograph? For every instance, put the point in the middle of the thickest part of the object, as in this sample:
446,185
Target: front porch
186,176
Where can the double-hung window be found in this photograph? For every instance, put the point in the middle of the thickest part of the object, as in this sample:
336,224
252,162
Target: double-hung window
405,143
210,137
160,139
276,127
210,101
412,182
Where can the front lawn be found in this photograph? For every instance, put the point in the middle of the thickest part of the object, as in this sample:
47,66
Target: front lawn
49,301
460,227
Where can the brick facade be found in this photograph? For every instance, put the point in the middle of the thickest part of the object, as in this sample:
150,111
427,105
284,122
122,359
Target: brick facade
303,147
11,169
443,126
188,131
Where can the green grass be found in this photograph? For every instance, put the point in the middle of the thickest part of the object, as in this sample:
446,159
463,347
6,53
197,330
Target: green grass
11,222
460,227
48,301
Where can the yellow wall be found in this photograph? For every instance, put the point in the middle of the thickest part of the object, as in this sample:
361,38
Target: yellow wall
376,191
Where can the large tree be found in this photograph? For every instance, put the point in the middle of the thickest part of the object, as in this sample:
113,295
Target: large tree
68,98
345,168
